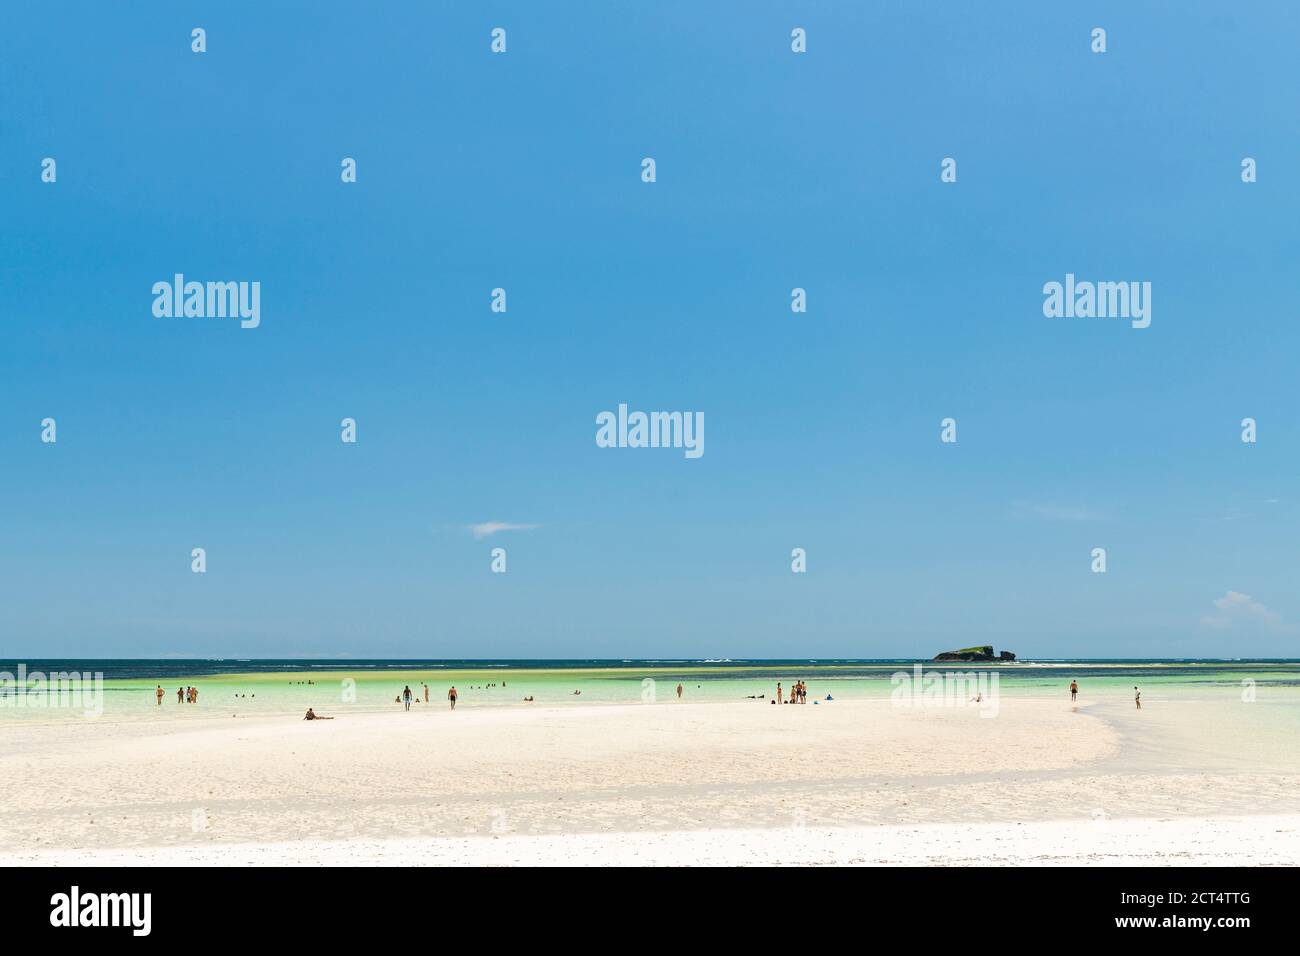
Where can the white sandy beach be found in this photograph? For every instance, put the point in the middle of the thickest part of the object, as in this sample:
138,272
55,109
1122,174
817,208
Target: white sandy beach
668,783
1191,841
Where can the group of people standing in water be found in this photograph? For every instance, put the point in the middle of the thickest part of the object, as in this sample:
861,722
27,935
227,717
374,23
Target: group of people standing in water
184,695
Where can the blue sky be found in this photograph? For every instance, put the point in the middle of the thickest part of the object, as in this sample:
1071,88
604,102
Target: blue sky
775,170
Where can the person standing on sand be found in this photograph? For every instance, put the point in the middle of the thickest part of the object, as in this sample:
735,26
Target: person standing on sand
780,698
679,691
451,696
160,695
180,695
1137,697
406,697
426,693
1074,690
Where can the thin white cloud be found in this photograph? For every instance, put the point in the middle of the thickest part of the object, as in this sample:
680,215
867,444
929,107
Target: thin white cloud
1236,607
488,528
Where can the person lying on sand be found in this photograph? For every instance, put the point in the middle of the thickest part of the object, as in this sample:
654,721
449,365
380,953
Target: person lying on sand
312,715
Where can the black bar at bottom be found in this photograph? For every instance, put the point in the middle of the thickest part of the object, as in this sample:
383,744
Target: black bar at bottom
524,906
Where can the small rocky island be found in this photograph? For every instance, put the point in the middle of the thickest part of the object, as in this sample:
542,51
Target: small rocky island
983,653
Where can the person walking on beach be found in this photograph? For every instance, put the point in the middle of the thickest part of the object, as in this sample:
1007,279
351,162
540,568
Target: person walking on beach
679,691
426,693
1074,690
451,696
406,697
1137,697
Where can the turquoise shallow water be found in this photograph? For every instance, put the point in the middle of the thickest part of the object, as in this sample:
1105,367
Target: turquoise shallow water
126,689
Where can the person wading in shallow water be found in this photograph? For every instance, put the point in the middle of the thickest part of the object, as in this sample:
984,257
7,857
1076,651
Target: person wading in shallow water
451,696
1074,690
